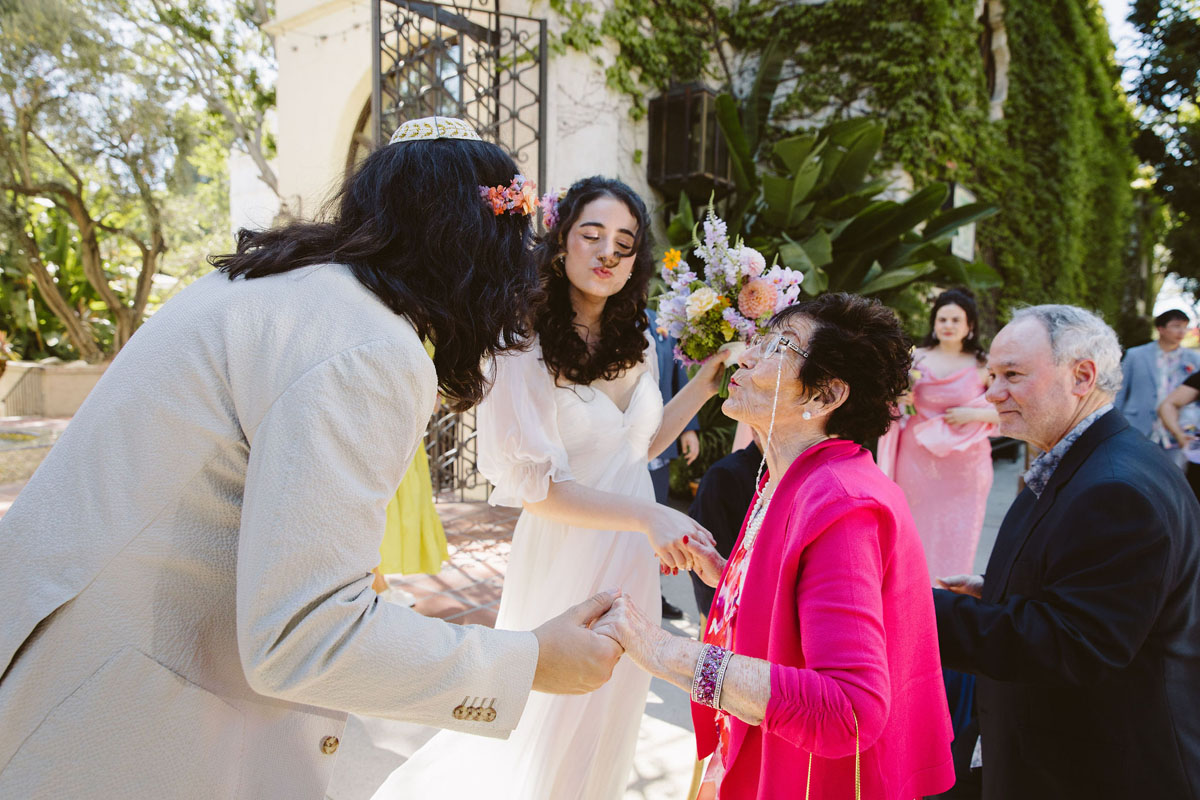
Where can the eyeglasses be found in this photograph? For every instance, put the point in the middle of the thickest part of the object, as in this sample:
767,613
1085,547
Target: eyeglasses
770,344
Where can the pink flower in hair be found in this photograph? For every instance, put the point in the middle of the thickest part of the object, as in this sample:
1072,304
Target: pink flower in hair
519,197
496,198
550,201
523,196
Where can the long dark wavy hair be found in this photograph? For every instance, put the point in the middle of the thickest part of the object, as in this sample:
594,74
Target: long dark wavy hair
860,342
410,224
964,299
623,322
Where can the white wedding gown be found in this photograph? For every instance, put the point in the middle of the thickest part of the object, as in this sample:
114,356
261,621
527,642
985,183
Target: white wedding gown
565,747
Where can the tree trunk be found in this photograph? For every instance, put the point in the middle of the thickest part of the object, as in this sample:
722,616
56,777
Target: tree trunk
78,333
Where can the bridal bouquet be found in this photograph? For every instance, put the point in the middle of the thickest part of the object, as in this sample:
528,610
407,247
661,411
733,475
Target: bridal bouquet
726,306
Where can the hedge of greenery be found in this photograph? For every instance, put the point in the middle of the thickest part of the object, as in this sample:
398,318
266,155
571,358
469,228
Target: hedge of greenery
1059,165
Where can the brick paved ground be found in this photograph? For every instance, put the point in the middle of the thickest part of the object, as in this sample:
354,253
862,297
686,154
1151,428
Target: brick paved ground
467,590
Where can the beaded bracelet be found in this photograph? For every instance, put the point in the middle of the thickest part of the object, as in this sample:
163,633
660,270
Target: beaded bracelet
710,675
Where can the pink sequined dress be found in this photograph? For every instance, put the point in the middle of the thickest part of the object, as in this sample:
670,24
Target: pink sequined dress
945,470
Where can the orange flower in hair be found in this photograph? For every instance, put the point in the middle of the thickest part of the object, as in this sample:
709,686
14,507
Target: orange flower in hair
519,197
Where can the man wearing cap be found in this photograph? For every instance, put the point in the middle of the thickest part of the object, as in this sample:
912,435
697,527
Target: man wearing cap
1152,371
186,580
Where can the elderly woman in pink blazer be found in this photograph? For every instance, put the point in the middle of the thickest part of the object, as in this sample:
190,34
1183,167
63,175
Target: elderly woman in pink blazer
818,675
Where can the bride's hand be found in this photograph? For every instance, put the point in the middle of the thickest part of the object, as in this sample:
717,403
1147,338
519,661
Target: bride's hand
669,532
710,372
626,623
707,563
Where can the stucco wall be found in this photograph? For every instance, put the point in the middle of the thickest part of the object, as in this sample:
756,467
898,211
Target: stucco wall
324,51
324,54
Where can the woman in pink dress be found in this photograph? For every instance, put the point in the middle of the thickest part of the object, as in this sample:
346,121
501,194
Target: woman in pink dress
940,455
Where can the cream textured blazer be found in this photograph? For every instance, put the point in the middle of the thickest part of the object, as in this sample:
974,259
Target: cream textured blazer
185,582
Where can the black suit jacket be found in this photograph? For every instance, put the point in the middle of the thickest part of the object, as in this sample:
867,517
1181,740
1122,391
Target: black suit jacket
722,501
1087,638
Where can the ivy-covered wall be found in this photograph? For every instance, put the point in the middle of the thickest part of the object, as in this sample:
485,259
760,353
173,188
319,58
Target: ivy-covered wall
1058,165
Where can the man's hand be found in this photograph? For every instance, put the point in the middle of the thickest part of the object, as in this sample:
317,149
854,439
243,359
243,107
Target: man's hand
572,659
964,584
689,445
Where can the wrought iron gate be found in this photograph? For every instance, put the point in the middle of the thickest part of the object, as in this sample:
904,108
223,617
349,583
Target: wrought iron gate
466,59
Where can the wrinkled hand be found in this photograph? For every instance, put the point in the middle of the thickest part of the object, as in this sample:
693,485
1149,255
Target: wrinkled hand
960,415
963,584
640,637
689,446
669,531
573,658
707,563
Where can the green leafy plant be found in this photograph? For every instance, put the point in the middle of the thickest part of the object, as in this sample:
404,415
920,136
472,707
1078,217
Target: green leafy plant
808,203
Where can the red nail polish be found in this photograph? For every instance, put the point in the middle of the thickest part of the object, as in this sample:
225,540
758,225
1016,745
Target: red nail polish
675,571
685,539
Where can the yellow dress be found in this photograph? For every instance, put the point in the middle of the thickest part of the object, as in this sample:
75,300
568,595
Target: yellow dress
414,540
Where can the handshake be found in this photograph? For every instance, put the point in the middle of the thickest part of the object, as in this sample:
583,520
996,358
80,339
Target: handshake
579,648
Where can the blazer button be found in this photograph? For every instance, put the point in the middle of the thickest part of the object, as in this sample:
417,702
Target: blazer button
329,745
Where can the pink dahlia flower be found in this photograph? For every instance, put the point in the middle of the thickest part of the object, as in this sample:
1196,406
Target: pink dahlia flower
757,298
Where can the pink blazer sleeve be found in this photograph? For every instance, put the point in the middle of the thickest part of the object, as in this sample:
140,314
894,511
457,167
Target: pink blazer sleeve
840,606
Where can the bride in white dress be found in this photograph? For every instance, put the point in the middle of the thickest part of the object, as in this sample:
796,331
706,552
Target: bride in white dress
566,432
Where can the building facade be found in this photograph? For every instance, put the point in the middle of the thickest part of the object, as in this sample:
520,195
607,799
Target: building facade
468,58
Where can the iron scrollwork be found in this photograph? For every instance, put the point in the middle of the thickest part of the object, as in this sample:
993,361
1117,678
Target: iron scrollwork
465,59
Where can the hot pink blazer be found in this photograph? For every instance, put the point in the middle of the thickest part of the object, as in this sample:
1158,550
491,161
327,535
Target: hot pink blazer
837,599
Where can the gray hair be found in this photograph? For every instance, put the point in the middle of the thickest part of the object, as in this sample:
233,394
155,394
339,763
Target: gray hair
1077,335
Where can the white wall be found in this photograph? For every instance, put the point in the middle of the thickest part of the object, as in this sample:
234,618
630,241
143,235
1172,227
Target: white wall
252,204
324,50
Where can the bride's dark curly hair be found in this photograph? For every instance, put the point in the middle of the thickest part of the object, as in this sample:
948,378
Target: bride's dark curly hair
623,322
410,225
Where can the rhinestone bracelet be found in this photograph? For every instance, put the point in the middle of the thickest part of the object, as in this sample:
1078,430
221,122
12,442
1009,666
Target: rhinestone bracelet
710,675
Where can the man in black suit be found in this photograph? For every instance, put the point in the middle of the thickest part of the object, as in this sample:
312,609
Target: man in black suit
1085,632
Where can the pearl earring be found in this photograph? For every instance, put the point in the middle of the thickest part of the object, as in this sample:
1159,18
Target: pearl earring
807,415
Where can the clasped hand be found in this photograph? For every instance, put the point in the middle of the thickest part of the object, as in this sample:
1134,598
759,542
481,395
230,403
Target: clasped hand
625,624
670,533
961,415
697,553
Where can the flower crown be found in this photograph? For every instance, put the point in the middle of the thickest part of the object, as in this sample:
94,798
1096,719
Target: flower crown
519,197
550,201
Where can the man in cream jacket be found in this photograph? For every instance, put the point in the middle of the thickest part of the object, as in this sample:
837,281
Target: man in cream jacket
186,579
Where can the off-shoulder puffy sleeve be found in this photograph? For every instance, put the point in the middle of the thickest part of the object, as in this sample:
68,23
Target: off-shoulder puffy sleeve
520,450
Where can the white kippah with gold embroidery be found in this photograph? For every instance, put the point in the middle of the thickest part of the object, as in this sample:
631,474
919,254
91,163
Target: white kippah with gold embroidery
426,128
